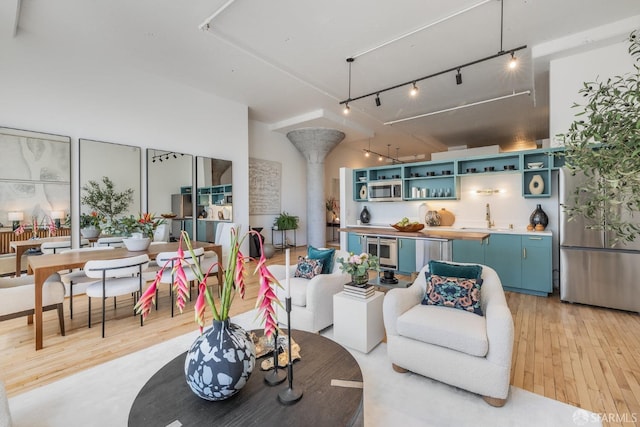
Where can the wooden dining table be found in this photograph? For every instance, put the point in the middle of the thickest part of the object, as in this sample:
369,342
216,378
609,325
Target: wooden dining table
21,246
43,266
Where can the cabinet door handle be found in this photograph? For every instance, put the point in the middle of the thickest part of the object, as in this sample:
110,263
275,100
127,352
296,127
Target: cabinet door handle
400,243
535,238
524,253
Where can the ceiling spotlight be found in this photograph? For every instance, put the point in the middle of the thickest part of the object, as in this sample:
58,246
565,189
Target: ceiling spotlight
458,77
513,63
154,160
160,158
378,103
414,90
366,153
380,158
174,156
346,109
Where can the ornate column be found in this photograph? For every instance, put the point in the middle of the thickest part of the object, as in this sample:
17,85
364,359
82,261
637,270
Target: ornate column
315,144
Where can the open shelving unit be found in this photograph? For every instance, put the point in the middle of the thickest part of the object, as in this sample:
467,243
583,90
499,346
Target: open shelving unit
439,180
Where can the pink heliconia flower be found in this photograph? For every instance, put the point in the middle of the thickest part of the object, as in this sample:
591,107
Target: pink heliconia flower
266,297
200,305
240,274
180,285
19,230
148,298
52,228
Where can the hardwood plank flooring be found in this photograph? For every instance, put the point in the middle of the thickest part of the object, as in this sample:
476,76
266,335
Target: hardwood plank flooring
584,356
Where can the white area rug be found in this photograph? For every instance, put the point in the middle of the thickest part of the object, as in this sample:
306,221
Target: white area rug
102,395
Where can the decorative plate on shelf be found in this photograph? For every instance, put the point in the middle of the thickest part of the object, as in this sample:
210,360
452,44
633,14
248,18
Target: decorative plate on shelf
363,192
535,165
408,228
168,215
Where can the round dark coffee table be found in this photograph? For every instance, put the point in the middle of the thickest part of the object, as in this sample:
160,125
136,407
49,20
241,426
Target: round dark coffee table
166,398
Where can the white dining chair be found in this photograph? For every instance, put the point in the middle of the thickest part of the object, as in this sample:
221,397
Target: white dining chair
120,276
76,281
115,242
223,238
167,260
55,247
161,234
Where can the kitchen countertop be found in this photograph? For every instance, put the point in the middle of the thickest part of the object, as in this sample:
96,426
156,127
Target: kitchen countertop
425,233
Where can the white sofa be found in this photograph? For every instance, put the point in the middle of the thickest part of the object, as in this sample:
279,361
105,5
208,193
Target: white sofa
453,346
311,299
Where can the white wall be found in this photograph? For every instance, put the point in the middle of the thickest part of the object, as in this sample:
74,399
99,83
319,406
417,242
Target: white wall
567,75
268,145
50,88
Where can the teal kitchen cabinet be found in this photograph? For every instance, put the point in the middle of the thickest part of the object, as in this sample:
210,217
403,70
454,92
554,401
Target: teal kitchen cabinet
537,277
502,253
468,251
355,243
523,262
406,256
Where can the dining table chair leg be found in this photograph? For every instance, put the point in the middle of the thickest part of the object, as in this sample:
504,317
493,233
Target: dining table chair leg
61,318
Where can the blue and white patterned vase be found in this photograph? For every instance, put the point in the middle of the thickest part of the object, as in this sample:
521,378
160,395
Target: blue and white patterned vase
219,363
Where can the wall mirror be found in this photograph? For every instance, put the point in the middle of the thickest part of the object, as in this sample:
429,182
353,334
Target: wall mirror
214,190
120,163
34,184
169,189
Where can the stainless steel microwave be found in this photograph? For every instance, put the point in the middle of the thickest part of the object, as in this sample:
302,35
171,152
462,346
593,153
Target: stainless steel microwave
385,191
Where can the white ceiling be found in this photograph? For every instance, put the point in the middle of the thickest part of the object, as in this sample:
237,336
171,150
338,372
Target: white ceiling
286,59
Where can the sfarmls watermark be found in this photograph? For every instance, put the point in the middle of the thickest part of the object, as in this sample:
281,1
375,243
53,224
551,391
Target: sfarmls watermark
583,418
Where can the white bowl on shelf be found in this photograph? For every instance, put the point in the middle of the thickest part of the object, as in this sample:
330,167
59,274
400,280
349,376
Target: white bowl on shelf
535,165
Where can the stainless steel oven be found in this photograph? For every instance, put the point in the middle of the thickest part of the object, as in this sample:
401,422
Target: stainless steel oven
386,249
385,191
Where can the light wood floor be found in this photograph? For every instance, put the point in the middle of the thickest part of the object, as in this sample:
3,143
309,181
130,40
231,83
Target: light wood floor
585,356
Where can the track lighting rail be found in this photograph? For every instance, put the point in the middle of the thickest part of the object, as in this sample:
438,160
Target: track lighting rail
448,70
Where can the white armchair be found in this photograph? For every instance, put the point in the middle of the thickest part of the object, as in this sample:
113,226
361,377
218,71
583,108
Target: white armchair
311,299
17,297
456,347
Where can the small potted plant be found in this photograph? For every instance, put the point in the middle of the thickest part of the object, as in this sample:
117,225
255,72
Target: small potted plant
138,232
284,221
358,266
90,224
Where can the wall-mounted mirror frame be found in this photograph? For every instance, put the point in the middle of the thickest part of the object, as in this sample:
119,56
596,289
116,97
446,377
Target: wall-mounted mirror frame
119,162
35,183
214,195
169,189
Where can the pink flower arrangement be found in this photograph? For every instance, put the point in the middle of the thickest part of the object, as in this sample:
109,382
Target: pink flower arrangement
53,230
233,282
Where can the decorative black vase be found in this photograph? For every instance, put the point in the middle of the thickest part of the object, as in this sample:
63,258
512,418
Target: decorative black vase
539,217
365,216
220,361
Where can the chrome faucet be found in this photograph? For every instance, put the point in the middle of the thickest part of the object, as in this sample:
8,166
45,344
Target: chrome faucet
487,217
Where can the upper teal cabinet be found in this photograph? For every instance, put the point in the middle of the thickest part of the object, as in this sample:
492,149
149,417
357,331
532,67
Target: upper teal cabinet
441,179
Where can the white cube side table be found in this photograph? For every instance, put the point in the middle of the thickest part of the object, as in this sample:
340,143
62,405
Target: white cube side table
357,322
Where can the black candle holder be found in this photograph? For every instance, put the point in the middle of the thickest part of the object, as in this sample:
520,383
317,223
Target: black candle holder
289,396
275,376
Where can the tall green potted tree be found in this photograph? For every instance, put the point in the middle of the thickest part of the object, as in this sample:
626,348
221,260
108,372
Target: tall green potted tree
604,144
105,200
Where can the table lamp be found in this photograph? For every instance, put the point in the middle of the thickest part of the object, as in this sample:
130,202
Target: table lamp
56,216
16,217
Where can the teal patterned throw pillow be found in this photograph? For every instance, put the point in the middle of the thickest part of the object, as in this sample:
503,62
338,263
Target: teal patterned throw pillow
308,268
455,292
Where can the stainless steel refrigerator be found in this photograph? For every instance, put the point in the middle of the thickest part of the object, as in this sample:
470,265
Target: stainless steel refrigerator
592,272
